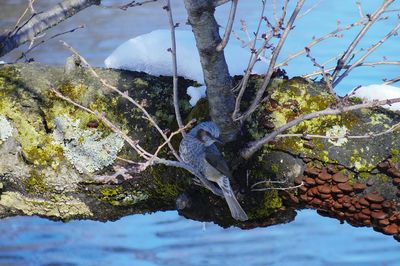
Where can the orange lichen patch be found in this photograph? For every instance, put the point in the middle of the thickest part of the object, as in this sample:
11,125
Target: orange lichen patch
332,195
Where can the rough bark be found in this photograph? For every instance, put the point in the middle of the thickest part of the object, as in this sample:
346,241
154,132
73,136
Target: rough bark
357,181
40,22
215,69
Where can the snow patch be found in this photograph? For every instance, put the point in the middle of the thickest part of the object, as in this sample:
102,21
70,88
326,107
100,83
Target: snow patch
379,92
196,93
148,53
2,62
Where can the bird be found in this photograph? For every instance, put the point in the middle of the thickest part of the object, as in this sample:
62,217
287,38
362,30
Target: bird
198,150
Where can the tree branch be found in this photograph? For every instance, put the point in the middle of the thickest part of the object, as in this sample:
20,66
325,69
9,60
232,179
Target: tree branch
229,25
271,66
172,27
40,22
360,35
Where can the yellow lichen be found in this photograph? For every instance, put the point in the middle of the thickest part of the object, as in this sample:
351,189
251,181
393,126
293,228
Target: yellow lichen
63,207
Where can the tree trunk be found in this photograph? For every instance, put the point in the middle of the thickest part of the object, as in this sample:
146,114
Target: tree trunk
357,181
215,70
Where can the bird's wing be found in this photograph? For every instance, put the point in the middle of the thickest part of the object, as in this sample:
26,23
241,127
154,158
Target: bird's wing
214,158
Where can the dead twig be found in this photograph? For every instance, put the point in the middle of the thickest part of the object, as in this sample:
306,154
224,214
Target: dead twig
24,54
29,8
172,50
228,28
128,5
363,64
347,54
259,95
391,81
366,54
325,75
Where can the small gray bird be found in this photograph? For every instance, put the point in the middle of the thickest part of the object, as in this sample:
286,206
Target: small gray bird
198,150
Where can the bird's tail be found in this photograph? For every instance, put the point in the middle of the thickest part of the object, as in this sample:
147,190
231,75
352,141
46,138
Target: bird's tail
236,210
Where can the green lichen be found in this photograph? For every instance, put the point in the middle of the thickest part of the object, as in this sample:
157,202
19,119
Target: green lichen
200,111
378,119
364,175
395,155
140,83
270,203
275,168
382,178
61,207
355,100
360,163
37,146
35,183
72,91
33,120
117,196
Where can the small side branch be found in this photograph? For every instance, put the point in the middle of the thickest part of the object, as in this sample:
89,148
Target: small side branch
172,50
366,54
347,54
24,54
272,62
229,26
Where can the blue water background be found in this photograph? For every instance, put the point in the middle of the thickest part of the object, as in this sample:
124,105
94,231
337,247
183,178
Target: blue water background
164,238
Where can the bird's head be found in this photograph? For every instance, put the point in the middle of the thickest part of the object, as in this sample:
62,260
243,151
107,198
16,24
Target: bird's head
206,132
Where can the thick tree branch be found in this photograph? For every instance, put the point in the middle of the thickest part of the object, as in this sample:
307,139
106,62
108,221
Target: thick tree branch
40,22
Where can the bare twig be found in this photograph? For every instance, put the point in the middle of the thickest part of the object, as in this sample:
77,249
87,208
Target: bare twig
174,66
220,2
325,75
257,144
271,68
180,130
252,61
274,11
266,182
229,26
360,10
30,5
363,64
347,54
315,41
366,54
24,54
315,5
129,5
24,13
391,81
